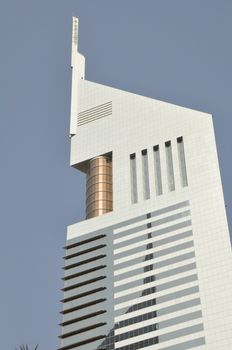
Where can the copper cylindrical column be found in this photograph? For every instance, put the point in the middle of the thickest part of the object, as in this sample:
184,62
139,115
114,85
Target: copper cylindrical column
99,187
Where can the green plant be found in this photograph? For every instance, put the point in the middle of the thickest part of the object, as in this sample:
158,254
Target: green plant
25,347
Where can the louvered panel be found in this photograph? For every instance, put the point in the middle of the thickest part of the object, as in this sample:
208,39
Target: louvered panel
92,114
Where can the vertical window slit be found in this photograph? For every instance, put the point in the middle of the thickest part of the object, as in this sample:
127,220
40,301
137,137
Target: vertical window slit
158,179
133,173
169,161
182,163
145,173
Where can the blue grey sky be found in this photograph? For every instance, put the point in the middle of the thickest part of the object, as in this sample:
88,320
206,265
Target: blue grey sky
173,50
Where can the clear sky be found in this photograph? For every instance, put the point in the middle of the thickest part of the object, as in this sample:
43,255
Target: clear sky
174,50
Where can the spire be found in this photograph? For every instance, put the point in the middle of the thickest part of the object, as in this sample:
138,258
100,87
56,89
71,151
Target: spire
78,73
75,23
75,31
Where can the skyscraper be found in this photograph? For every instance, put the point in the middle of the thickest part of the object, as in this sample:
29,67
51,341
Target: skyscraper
150,267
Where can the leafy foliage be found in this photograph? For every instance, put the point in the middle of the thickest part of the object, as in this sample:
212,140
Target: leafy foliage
25,347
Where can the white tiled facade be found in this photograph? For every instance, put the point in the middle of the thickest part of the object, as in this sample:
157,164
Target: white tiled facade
170,252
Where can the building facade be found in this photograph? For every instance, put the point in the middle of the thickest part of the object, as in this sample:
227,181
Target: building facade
150,267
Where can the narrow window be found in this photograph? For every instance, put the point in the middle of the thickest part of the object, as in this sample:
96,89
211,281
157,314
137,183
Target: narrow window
145,172
170,171
182,163
158,180
134,192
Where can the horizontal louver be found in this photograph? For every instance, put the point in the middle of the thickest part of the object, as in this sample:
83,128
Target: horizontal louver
92,114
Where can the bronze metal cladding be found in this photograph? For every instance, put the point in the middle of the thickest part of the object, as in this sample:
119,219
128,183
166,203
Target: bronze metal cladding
99,187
